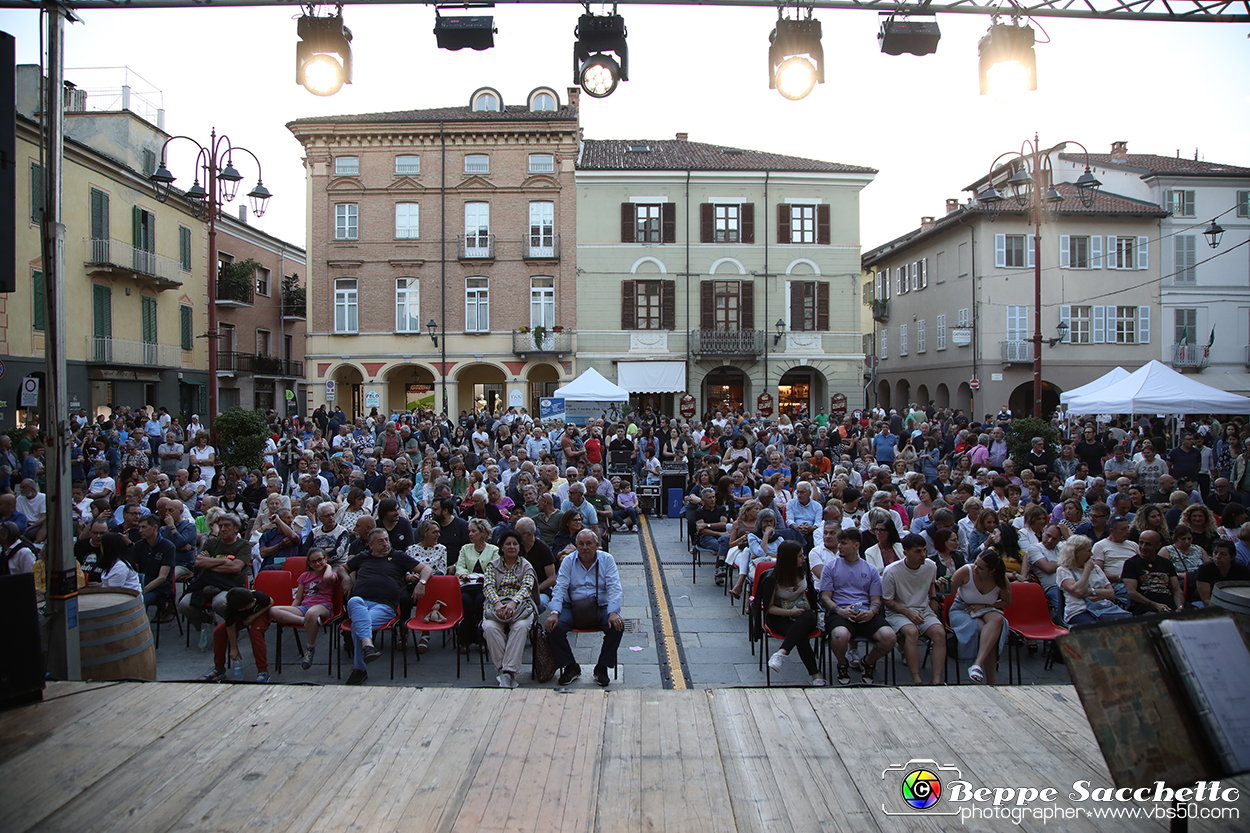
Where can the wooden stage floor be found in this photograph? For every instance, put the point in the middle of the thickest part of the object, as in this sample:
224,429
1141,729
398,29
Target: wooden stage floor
152,757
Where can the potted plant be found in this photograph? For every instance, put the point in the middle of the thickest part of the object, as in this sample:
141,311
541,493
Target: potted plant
540,333
557,328
523,329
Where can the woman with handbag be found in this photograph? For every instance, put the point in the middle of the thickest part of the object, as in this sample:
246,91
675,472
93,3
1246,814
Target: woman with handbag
508,608
471,570
1088,595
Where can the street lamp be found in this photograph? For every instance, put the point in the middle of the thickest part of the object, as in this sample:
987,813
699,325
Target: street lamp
215,163
432,325
1032,185
1213,234
1063,333
781,329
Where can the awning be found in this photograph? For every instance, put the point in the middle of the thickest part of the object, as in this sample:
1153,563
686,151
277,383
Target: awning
652,377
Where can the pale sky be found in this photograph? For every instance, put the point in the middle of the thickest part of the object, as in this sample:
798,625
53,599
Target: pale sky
1161,87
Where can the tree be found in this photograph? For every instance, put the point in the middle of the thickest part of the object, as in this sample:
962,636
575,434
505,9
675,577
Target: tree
241,438
1020,438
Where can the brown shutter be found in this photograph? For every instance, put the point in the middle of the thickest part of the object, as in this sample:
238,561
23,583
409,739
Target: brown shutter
706,222
668,222
707,307
822,225
822,306
668,305
783,223
746,305
796,305
747,213
628,235
629,305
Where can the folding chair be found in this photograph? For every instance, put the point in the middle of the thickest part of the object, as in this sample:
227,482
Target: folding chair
816,634
345,629
445,589
1028,617
760,568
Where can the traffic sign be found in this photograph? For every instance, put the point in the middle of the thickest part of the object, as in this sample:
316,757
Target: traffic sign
975,384
329,390
30,392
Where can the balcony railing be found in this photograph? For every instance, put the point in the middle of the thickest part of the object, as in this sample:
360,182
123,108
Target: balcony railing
728,342
235,293
118,351
1191,355
229,361
880,310
1017,352
542,246
560,343
475,246
116,256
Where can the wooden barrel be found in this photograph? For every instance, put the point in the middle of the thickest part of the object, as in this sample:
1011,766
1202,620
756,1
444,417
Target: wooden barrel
114,635
1232,595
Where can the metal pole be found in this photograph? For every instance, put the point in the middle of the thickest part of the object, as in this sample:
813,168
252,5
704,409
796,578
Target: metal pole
1038,192
442,260
58,553
211,201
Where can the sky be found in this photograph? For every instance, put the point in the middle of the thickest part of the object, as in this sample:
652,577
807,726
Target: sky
1162,87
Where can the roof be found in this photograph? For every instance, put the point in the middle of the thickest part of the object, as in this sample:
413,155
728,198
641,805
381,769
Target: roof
681,155
510,113
1149,163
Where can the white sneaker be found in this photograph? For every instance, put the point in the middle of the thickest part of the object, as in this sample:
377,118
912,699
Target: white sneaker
307,661
503,681
512,683
775,661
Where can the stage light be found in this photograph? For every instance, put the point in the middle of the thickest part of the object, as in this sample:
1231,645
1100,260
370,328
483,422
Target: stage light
599,37
901,34
323,57
464,32
796,61
1008,65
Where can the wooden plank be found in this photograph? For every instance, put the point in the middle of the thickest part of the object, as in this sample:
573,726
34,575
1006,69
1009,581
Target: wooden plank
499,780
742,744
618,801
63,704
581,786
1067,725
703,799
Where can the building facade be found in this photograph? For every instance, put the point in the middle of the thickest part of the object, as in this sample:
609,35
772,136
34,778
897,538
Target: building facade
459,216
719,272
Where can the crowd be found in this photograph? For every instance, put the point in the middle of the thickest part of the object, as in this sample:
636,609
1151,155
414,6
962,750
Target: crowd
880,530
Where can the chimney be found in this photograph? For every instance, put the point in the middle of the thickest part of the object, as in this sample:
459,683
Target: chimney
243,213
575,95
952,205
1119,150
683,137
926,224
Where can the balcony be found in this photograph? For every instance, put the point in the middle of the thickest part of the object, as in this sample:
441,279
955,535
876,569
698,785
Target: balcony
880,311
1017,352
118,351
542,247
727,342
229,361
232,293
1195,356
116,259
475,247
560,343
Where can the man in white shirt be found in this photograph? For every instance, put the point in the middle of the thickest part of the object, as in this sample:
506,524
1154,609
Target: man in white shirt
1112,552
1043,562
912,608
32,504
103,485
827,549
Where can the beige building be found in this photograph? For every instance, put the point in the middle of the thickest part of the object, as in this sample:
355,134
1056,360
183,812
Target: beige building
460,216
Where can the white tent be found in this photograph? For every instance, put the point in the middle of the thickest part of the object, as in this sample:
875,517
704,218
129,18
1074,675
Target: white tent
1109,378
1156,388
592,387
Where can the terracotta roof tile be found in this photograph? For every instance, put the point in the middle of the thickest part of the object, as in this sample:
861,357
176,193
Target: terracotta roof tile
510,113
1150,163
680,155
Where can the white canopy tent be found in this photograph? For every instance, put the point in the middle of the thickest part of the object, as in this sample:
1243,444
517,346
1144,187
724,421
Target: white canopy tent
1156,388
592,387
1109,378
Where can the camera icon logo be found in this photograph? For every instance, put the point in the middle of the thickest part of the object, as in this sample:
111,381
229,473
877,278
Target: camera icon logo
920,787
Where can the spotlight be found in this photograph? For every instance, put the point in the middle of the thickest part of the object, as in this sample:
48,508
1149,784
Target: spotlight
1008,65
316,64
593,68
464,32
900,35
796,61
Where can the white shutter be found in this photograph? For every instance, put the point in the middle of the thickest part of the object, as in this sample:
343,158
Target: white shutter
924,272
920,345
1031,257
899,287
1000,250
1143,325
1100,324
913,277
1112,254
1065,317
1143,252
1065,253
884,342
1095,251
941,332
902,339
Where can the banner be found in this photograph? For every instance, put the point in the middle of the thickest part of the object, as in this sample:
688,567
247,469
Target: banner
419,397
550,407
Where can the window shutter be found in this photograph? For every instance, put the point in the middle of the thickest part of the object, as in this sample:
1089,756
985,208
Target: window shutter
900,288
822,306
1143,325
1000,250
1031,256
783,223
38,300
822,225
924,272
794,289
706,222
1143,252
102,311
36,192
184,248
1100,324
1065,253
136,226
746,305
1095,251
629,310
149,320
1112,254
628,235
913,276
1065,317
747,218
99,215
186,324
668,222
920,340
707,307
668,305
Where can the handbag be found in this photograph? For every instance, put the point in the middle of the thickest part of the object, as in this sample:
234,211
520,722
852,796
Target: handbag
544,662
586,611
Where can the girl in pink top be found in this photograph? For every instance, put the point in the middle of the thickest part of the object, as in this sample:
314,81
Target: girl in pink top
314,601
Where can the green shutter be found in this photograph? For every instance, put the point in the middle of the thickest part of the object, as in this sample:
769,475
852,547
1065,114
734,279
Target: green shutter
185,325
36,192
149,320
136,227
102,311
99,215
38,300
184,248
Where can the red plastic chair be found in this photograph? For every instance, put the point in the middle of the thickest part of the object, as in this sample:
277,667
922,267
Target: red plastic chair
760,569
445,589
296,565
336,612
1028,617
276,584
345,630
815,634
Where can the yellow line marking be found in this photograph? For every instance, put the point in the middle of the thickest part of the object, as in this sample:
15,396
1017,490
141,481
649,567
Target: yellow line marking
665,609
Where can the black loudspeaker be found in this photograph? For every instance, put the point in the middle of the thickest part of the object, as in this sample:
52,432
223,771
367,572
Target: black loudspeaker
21,656
464,32
916,37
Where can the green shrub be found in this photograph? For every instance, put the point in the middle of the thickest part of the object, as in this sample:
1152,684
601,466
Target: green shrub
1020,436
241,437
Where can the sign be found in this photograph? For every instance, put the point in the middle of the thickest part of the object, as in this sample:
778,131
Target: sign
1,368
329,390
975,384
996,377
373,399
516,398
961,336
837,405
419,397
857,414
579,412
764,404
290,394
30,392
550,407
687,407
74,403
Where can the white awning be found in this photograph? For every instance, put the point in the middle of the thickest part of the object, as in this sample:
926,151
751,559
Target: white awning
652,377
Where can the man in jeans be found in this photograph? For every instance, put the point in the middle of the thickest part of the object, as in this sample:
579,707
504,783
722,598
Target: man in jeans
380,575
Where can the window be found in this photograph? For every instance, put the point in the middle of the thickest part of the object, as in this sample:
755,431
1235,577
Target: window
919,273
476,163
1243,203
809,306
36,192
1017,323
1012,252
647,223
410,165
345,306
965,260
1180,203
1128,252
262,281
648,305
868,348
347,166
227,398
727,306
1074,251
542,302
883,343
186,326
148,304
263,397
39,301
486,102
543,102
802,224
225,338
1125,324
1186,321
101,321
902,339
346,221
477,229
288,348
941,333
149,162
920,339
1185,270
1080,325
542,163
99,226
965,319
542,238
407,305
725,295
866,293
727,223
477,305
725,220
263,343
940,266
407,221
650,222
900,280
144,239
184,248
